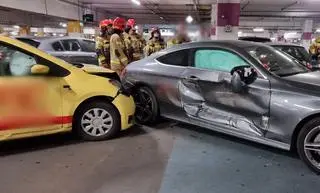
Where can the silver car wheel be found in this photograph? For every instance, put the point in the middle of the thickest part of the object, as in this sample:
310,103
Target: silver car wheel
312,146
96,122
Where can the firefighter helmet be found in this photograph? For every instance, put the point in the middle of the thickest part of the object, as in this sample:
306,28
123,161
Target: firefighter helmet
105,23
119,23
131,23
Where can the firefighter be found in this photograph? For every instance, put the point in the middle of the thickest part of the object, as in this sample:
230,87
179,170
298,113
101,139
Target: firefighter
128,42
155,43
119,59
314,50
103,43
180,38
134,42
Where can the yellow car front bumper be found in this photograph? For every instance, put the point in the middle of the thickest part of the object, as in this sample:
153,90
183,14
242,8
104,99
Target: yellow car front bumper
126,108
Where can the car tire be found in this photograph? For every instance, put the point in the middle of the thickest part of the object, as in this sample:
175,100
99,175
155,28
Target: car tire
309,134
97,121
147,109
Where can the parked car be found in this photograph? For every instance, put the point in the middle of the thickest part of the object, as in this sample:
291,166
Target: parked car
241,88
70,49
255,39
296,51
41,94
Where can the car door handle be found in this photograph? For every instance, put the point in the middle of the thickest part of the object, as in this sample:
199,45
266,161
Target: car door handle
192,78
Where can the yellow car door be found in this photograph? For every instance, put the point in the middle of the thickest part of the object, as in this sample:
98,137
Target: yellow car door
31,100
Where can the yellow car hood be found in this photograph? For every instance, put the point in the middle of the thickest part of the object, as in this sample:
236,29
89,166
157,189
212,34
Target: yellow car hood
98,70
90,68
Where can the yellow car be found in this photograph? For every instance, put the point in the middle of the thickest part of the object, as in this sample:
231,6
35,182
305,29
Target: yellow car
41,94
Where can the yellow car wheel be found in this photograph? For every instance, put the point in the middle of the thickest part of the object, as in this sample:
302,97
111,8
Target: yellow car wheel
97,120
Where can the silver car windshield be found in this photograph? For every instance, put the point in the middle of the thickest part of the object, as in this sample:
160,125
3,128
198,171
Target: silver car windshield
276,61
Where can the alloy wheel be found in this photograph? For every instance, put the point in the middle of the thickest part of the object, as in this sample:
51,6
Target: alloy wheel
144,106
312,146
96,122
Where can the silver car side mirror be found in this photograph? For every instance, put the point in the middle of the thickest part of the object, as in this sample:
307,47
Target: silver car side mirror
236,82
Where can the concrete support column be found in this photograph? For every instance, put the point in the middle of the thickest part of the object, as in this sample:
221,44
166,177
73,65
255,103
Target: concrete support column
74,29
24,30
307,33
225,16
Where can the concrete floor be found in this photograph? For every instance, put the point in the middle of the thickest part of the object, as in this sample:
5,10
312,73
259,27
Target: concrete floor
168,158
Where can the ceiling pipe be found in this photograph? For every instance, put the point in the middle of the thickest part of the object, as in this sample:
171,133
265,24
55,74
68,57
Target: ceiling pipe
195,7
245,5
287,6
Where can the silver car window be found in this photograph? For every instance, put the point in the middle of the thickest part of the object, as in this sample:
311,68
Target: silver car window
177,58
71,45
57,46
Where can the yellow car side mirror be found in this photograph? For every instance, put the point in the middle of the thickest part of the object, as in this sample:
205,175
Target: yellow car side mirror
39,69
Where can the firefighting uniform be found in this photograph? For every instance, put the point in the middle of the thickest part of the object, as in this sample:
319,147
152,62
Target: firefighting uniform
314,50
119,59
152,47
179,39
103,50
138,43
128,46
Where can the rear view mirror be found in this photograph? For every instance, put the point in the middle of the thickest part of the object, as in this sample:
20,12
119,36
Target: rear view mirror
39,69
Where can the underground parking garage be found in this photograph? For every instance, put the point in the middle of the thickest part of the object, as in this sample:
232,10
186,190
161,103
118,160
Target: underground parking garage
159,96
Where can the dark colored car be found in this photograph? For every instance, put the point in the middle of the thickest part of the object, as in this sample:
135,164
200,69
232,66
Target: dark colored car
246,89
71,49
255,39
296,51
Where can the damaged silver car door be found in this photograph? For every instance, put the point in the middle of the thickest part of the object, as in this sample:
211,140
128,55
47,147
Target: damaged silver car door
208,94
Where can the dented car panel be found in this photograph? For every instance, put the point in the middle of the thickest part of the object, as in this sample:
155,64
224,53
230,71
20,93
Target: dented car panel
210,97
267,111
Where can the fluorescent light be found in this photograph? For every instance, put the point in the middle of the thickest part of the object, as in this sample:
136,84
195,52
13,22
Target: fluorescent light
16,26
318,30
63,24
189,19
54,34
258,29
137,2
161,17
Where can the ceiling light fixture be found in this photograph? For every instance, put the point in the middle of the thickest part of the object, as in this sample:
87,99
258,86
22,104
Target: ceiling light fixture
189,19
258,29
318,30
16,26
161,17
137,2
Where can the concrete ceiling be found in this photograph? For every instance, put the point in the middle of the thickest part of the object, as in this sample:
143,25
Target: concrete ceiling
256,12
271,14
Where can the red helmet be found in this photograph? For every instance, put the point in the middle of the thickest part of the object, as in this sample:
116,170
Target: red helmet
119,23
131,23
105,23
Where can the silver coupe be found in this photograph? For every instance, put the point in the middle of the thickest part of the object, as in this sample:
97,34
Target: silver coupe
245,89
